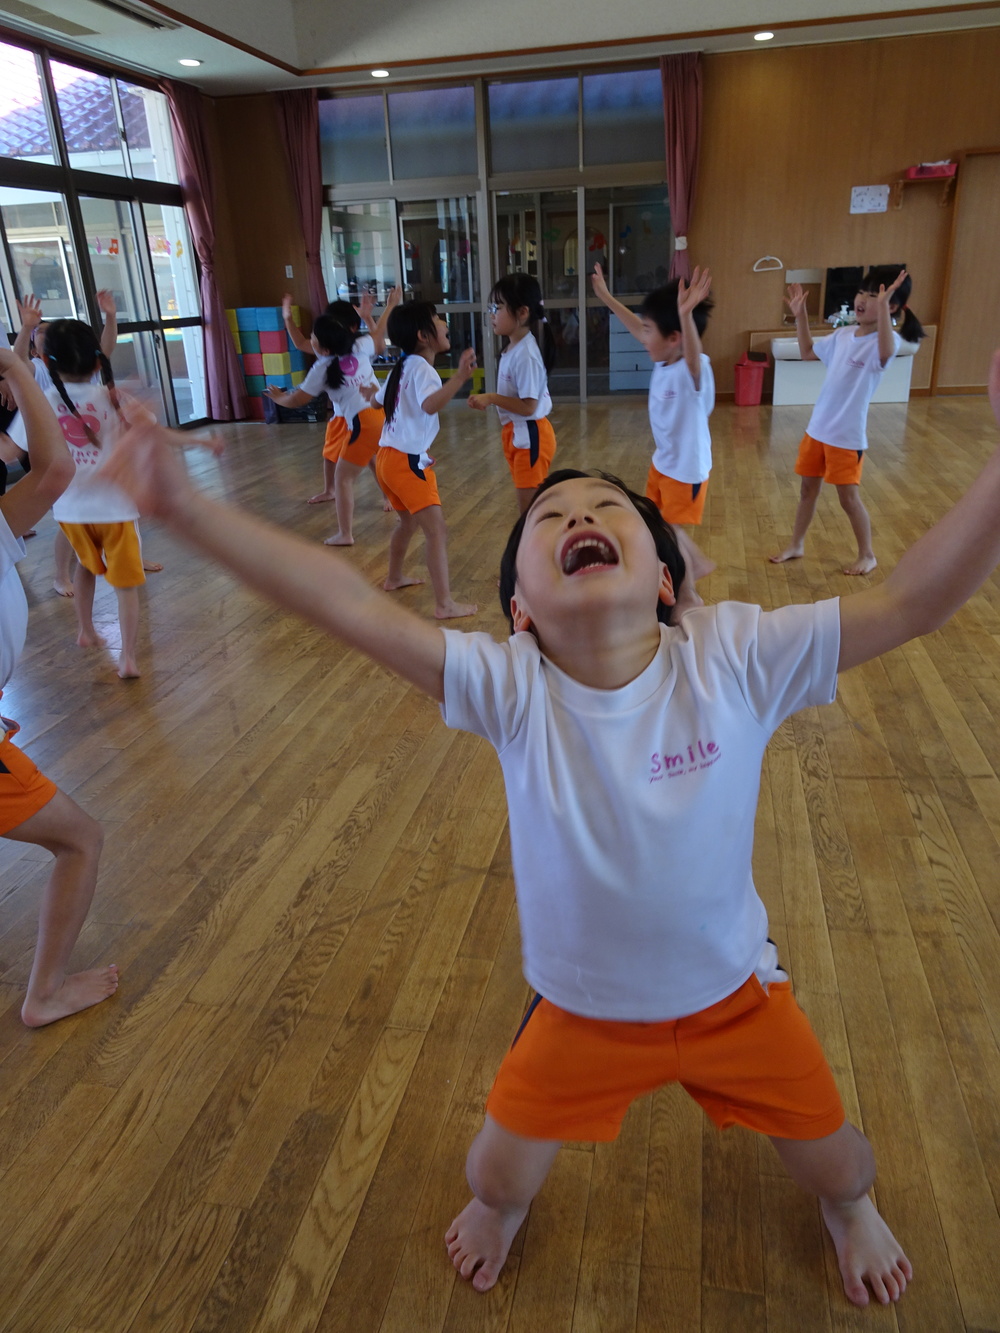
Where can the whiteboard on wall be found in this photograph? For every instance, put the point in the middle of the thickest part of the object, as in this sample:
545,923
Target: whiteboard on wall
869,199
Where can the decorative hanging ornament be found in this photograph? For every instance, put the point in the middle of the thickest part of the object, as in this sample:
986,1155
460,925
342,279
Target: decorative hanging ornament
113,246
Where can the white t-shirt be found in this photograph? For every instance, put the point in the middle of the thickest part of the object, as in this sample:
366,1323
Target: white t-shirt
412,430
89,498
632,810
853,371
678,416
43,379
13,603
522,374
348,400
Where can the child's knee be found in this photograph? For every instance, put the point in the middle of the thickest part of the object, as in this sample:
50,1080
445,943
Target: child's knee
850,498
810,487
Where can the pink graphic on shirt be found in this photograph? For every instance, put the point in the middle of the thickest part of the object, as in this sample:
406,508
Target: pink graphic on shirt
348,364
74,428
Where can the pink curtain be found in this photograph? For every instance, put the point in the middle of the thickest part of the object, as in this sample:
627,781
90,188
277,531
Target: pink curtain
298,116
226,393
681,77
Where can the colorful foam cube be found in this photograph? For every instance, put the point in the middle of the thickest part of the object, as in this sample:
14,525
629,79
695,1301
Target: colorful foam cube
249,340
231,319
277,363
280,381
271,340
236,341
256,408
297,377
246,317
253,364
256,384
297,360
270,317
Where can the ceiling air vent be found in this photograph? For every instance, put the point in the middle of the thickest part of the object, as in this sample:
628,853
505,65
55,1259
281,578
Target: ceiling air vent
149,20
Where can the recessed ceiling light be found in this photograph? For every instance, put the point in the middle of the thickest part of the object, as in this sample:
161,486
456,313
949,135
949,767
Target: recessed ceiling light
763,36
380,73
192,64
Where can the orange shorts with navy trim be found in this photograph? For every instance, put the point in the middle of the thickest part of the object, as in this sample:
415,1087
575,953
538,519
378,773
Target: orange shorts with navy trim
365,432
23,788
111,549
405,484
337,435
840,467
751,1059
529,467
677,501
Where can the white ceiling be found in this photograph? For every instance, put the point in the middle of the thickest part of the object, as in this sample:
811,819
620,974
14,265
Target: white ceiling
261,45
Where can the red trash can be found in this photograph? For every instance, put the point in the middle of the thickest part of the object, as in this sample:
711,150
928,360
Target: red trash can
750,378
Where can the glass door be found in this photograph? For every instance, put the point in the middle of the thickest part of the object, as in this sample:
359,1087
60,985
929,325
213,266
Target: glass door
40,251
439,241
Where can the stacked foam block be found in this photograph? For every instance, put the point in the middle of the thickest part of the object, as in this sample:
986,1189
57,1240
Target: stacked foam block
265,352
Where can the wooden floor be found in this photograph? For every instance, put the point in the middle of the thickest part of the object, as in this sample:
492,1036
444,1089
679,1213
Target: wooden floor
307,886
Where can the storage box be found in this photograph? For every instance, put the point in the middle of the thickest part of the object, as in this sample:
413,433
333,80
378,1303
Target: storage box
931,170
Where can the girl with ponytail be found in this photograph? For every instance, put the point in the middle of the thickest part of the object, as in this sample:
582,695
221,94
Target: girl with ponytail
412,397
343,371
522,398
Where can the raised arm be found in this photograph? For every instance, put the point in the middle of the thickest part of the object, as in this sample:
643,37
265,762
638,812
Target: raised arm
796,302
937,575
628,317
30,311
295,335
378,332
886,333
52,468
109,334
466,365
688,296
299,576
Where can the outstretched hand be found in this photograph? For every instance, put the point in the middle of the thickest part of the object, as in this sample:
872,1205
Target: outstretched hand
691,294
467,361
394,298
885,294
106,302
146,463
796,299
597,281
365,306
30,310
286,306
479,402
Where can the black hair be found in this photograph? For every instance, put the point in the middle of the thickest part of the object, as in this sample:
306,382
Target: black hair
515,290
406,323
73,348
344,313
664,537
336,340
661,307
884,275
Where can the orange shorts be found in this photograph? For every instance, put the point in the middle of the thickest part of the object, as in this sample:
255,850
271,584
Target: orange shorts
111,549
840,467
752,1059
337,435
677,501
529,467
362,443
23,789
408,487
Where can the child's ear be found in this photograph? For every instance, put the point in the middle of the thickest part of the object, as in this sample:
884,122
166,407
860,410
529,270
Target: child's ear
666,594
520,616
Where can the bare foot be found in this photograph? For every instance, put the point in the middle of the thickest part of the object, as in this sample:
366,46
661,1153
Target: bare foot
863,565
338,540
789,553
867,1252
63,589
394,585
454,610
127,667
152,566
387,507
321,498
88,638
479,1241
79,991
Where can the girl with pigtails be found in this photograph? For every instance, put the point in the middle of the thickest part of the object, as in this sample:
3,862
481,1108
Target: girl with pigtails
97,517
412,396
522,398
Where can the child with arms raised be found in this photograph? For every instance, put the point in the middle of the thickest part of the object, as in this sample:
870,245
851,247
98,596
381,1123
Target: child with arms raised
836,439
32,808
640,922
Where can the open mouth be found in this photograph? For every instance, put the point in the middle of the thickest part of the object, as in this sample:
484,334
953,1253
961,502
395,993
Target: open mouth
587,551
